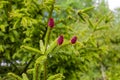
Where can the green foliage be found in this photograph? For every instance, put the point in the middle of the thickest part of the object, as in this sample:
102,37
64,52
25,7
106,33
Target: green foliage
56,77
15,76
29,49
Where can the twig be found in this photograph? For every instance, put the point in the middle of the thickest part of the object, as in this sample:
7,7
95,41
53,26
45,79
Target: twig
25,69
103,72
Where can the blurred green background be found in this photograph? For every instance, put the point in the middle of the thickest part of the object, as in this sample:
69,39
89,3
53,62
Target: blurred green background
95,56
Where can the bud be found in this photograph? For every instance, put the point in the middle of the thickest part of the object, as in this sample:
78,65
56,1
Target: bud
74,39
51,22
60,40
